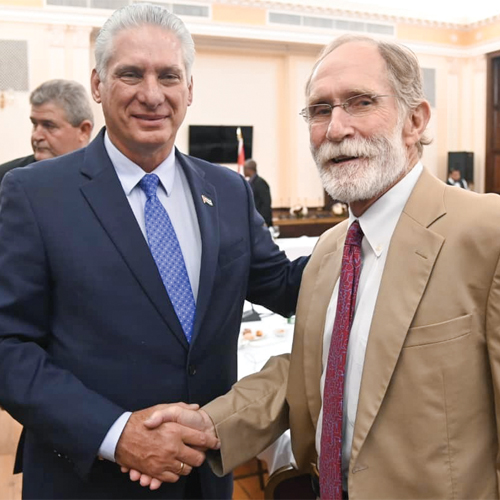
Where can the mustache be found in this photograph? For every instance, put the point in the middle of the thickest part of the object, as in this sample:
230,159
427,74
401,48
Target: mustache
359,147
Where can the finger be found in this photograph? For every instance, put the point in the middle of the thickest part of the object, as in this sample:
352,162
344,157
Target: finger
187,470
134,475
145,480
184,469
163,477
168,477
124,469
190,406
199,439
155,484
191,457
158,417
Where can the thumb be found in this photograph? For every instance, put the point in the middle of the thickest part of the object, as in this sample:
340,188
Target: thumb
158,417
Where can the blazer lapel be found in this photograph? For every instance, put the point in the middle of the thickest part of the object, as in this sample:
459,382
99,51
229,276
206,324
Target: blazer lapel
413,251
105,195
207,211
319,300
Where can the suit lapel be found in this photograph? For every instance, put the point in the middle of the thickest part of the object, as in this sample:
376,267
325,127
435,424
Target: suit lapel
105,195
327,276
413,251
207,211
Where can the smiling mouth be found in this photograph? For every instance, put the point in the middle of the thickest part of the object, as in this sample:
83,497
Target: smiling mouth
342,159
151,118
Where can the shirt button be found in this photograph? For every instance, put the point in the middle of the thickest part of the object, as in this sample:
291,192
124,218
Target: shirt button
191,370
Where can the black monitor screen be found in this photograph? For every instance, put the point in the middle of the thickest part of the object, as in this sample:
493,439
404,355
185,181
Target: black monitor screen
218,143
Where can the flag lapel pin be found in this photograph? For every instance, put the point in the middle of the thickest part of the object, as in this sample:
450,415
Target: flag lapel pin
207,201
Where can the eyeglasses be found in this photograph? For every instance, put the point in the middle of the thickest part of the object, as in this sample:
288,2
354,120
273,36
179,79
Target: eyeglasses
358,105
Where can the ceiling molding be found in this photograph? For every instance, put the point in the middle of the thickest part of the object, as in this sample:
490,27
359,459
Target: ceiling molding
359,13
280,34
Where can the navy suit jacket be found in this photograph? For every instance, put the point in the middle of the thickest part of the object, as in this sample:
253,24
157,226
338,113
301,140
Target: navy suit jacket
87,330
18,162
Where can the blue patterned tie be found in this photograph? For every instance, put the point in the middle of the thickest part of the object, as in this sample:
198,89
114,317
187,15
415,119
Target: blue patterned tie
167,254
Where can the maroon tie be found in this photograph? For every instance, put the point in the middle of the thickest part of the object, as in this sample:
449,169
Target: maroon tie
330,464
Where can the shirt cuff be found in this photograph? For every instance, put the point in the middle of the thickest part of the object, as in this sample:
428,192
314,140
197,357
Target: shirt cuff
108,445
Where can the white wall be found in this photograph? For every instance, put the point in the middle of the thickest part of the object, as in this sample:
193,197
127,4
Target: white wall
259,84
53,52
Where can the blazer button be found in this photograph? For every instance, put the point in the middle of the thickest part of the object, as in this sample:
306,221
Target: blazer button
191,370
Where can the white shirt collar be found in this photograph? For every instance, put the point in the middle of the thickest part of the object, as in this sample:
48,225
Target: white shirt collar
130,173
379,220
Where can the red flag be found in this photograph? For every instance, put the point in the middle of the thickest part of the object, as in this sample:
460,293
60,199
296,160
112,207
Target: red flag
241,151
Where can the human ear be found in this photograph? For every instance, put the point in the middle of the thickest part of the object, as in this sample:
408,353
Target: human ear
416,123
94,86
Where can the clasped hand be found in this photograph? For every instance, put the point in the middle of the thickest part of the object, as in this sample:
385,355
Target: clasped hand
161,443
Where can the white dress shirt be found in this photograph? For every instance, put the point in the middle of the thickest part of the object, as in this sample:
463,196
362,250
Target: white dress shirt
378,224
175,195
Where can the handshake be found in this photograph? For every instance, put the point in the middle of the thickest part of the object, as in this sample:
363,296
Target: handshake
162,443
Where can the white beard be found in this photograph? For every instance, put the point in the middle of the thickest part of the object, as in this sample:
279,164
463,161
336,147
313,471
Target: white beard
381,162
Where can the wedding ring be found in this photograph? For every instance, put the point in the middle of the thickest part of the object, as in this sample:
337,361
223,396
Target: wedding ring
179,472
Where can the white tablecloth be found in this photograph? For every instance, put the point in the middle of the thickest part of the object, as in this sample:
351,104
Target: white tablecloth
276,339
297,247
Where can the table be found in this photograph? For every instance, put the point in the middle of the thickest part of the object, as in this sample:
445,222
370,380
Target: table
297,247
277,339
309,226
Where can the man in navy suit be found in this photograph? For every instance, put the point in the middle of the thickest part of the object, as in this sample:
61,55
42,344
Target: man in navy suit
90,340
62,121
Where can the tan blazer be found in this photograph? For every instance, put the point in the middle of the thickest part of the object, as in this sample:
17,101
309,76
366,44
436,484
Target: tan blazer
427,418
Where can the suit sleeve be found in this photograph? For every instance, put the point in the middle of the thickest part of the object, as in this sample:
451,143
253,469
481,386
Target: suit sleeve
44,396
251,416
263,201
493,342
274,281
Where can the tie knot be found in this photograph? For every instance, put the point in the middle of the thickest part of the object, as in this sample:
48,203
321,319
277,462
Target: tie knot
354,235
149,184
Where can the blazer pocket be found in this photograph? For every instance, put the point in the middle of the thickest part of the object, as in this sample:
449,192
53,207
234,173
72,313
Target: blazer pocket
232,252
439,332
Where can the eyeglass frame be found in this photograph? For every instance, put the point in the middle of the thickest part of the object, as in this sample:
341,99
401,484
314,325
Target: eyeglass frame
343,105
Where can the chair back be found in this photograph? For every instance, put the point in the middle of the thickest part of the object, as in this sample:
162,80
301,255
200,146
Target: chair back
287,483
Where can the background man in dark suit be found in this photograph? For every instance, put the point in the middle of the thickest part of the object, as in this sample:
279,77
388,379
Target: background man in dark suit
62,122
455,179
92,334
261,191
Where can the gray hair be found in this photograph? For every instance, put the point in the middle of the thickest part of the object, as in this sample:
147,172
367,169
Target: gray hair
69,95
140,14
403,73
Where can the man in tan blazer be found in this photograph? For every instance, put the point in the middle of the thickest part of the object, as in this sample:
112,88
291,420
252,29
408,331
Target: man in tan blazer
422,373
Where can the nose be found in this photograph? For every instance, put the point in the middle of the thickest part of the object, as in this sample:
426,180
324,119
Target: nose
339,126
37,133
151,93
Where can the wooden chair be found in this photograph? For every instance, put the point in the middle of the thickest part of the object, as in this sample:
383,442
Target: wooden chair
287,483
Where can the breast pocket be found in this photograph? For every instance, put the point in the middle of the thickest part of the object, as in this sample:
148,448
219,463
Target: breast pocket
439,332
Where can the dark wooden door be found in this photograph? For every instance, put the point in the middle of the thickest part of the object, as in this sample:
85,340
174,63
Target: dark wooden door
492,184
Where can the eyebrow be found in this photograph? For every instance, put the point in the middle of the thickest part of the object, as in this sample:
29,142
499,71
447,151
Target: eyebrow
317,99
43,121
134,67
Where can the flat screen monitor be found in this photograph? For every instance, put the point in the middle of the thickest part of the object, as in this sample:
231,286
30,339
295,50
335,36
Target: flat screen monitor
218,143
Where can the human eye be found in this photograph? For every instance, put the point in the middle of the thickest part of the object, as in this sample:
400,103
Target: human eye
170,77
129,75
360,103
319,111
49,125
